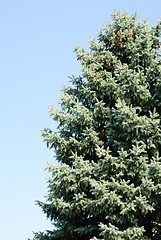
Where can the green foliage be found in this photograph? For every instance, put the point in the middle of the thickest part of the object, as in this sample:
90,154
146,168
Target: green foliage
108,141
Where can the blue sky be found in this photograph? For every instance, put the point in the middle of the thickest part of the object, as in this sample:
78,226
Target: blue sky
36,58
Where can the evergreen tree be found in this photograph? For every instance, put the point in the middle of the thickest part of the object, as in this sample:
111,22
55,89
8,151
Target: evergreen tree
107,185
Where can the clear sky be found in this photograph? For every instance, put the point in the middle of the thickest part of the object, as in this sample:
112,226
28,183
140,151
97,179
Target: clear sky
36,58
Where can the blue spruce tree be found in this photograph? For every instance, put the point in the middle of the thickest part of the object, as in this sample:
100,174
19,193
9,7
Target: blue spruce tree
107,185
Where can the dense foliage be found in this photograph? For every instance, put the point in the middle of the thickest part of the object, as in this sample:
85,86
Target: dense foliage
107,185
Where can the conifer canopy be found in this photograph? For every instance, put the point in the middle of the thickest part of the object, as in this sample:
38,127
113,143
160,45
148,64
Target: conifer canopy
107,185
